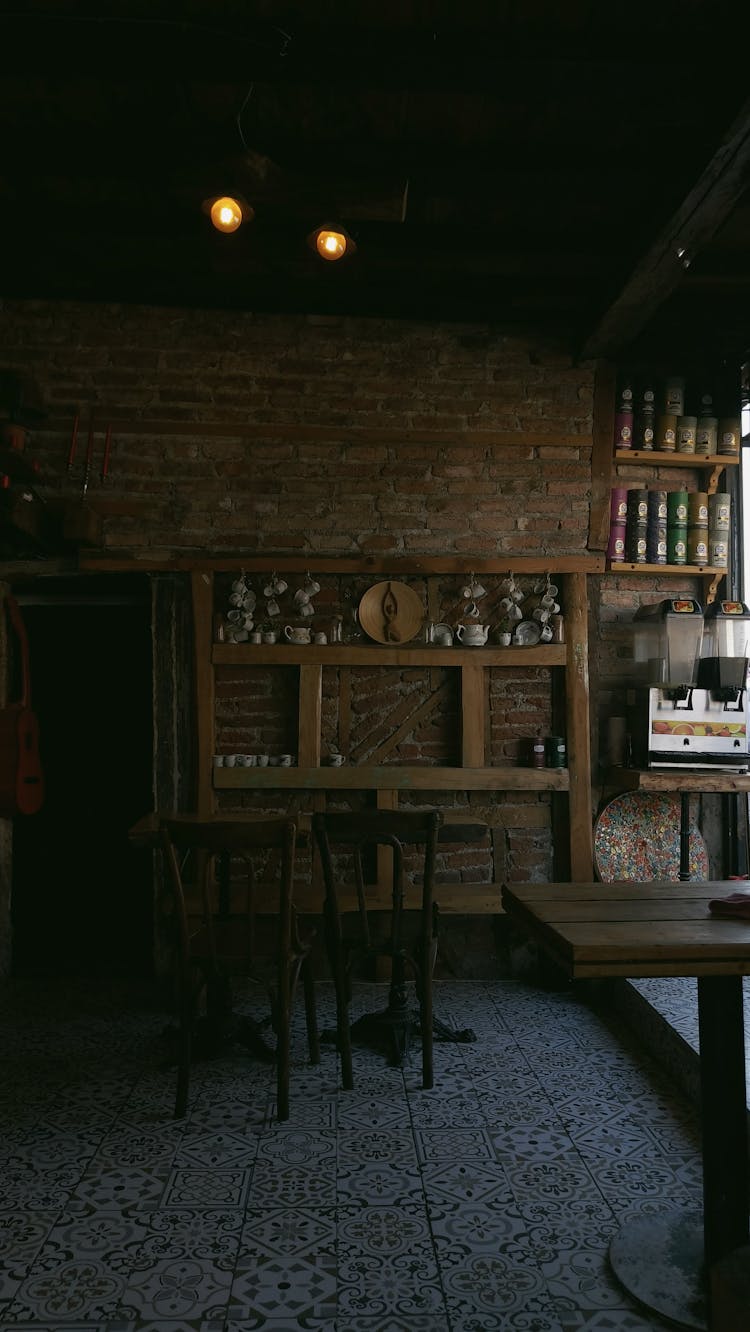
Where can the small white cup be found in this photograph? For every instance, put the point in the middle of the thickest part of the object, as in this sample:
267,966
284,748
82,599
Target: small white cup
230,760
285,760
256,636
270,637
320,639
218,760
262,760
336,760
245,760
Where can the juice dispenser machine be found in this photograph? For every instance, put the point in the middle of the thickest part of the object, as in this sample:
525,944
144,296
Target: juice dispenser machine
692,705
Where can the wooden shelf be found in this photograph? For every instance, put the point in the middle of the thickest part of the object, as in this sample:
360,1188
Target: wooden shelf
690,570
354,654
673,459
659,779
392,777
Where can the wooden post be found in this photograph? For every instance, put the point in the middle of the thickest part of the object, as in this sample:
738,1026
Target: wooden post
202,587
472,714
578,728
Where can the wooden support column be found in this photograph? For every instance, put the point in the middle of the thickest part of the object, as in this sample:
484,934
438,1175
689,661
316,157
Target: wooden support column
472,714
202,588
310,705
578,728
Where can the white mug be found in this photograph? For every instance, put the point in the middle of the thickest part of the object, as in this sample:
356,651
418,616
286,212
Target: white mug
270,636
285,760
230,760
336,760
262,760
256,636
320,639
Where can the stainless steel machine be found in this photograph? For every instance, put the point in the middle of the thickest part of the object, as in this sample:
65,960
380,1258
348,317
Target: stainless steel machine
691,708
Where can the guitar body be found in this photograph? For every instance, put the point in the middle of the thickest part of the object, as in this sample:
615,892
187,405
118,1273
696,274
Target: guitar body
21,776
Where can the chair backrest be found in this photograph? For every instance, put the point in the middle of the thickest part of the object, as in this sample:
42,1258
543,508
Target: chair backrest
210,839
352,833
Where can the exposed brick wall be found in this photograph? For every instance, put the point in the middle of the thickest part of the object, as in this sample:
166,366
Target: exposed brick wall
304,436
354,435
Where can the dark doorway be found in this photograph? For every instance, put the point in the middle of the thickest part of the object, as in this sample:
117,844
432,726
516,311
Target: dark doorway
81,894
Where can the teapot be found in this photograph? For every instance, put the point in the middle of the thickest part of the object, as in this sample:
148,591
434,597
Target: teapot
442,634
473,635
296,634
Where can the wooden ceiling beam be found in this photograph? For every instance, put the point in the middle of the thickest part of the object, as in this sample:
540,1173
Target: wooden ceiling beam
666,264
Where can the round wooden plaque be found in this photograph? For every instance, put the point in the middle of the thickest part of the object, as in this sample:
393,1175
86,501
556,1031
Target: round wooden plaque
391,612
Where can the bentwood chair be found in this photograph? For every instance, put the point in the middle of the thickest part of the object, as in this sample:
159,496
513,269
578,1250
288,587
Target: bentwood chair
357,928
221,937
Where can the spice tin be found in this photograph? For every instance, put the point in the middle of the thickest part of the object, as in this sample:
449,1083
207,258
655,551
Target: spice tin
674,395
536,752
656,545
618,508
645,421
666,432
718,550
676,545
706,435
686,427
698,509
616,547
635,544
697,545
657,506
728,441
719,511
554,751
677,508
623,430
637,506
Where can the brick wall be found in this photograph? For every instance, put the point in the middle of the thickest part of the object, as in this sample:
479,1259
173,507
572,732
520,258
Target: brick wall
289,435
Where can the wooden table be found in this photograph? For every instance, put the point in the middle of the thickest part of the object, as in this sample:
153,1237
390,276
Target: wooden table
666,929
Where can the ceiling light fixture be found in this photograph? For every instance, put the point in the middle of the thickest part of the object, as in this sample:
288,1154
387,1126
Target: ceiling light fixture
331,241
227,212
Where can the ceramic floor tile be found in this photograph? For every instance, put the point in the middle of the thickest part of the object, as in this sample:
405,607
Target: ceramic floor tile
486,1202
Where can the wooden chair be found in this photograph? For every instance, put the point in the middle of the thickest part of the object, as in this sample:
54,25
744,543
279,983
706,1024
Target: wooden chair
206,951
407,939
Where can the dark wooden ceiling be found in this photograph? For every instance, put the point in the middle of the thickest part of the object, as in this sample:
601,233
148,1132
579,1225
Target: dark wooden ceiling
530,163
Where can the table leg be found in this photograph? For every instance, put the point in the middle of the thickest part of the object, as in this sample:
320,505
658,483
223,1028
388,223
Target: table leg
665,1260
723,1114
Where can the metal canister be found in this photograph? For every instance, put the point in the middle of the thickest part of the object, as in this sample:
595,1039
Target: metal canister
719,511
697,545
718,549
697,508
677,508
637,506
676,545
617,540
645,421
656,544
618,508
666,432
686,428
623,430
554,751
635,543
706,435
729,436
656,506
674,395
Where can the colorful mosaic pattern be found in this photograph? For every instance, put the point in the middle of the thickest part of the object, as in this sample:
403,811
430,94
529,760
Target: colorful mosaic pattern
637,837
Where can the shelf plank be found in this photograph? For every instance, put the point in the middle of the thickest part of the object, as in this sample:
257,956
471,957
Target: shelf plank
405,566
669,459
332,654
661,779
689,570
392,777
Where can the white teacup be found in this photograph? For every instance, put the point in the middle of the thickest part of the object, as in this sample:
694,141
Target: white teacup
296,634
320,639
262,760
336,760
230,760
256,636
270,637
246,760
285,760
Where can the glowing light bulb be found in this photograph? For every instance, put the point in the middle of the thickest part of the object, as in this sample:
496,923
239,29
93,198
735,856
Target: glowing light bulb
226,214
330,244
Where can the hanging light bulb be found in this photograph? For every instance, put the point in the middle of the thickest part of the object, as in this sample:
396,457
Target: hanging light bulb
331,242
226,213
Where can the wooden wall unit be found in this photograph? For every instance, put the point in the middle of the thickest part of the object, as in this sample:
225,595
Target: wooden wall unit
386,781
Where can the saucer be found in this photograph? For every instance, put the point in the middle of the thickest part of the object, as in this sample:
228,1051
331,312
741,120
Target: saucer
527,632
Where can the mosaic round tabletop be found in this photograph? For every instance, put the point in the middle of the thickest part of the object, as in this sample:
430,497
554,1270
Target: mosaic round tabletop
637,837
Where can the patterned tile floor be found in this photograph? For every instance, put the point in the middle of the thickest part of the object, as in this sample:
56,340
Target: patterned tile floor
487,1203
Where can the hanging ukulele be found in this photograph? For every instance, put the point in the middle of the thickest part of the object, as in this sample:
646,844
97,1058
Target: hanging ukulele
21,777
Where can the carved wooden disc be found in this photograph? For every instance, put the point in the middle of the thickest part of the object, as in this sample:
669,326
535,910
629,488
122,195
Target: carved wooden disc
391,612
